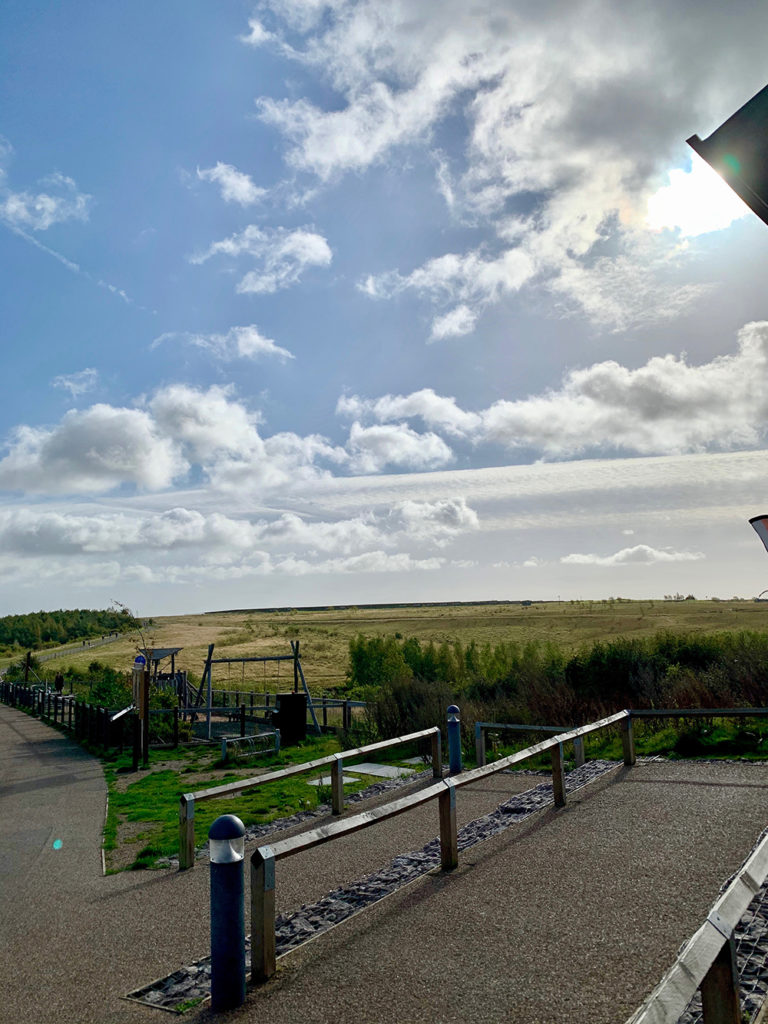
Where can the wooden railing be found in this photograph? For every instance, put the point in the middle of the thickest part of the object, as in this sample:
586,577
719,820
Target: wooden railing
263,960
482,727
335,762
708,960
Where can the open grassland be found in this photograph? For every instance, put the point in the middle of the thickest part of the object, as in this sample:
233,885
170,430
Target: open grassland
325,634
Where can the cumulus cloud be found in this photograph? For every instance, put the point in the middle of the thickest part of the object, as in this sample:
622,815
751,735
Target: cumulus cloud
374,448
95,449
284,256
436,411
437,522
237,343
77,383
665,406
235,186
641,554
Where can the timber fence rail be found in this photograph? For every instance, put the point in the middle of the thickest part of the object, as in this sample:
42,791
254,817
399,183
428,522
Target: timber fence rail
707,962
88,723
263,960
481,727
334,761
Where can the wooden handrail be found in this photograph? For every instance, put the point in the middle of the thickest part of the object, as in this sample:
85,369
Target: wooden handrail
263,959
707,961
336,762
481,727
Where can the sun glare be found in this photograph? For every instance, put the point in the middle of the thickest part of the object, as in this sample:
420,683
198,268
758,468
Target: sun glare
695,201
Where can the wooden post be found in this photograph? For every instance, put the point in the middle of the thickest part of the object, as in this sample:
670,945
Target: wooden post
186,831
263,963
479,744
337,785
449,836
578,751
720,988
175,727
437,755
558,775
325,711
242,719
628,741
295,646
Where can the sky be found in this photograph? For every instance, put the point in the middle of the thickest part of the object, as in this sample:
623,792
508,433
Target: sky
346,302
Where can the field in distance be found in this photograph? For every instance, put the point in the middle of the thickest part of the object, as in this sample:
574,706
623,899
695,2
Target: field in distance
325,634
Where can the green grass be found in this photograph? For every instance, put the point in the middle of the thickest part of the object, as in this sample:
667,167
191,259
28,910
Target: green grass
152,799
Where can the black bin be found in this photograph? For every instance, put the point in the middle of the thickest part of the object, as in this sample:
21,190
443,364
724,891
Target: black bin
291,717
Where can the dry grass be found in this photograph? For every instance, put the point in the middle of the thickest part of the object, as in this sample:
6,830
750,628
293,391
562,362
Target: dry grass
325,635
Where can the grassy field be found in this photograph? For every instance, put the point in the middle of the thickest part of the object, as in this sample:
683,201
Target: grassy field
325,635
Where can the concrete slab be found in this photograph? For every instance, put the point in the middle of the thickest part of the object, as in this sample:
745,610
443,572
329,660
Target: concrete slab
382,771
325,780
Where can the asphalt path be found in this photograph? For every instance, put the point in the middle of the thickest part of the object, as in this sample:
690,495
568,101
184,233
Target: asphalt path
571,916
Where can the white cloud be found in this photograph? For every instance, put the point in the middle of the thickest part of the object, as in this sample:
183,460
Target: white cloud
436,411
437,522
235,186
374,448
284,256
641,554
258,35
455,323
38,211
544,122
94,450
238,343
452,277
77,383
666,405
696,202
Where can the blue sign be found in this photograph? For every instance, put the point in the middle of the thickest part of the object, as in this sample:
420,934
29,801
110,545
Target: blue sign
139,660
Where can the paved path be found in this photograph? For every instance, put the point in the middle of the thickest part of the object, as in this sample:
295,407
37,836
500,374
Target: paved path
571,917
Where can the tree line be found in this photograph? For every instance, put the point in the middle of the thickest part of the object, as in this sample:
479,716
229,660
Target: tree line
38,629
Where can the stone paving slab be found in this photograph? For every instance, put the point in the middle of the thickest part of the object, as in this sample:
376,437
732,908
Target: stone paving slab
382,771
325,780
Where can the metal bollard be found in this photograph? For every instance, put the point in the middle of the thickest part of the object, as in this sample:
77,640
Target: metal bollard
454,740
227,853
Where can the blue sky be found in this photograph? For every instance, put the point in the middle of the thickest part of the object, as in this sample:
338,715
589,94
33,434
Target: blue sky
314,302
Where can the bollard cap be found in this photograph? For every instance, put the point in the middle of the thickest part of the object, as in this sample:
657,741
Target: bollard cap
453,713
226,840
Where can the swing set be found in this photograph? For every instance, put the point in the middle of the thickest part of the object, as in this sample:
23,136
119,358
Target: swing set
298,675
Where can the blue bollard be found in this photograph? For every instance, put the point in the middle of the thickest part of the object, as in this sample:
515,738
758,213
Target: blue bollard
227,852
454,740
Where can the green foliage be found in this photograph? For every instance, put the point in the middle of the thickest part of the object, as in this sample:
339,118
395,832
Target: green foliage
408,683
60,627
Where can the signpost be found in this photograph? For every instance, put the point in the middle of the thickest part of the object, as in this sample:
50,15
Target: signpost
141,702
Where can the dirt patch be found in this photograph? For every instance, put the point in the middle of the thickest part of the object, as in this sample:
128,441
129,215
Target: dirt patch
132,836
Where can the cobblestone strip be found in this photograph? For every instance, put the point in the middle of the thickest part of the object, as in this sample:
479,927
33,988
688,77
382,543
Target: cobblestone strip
192,984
